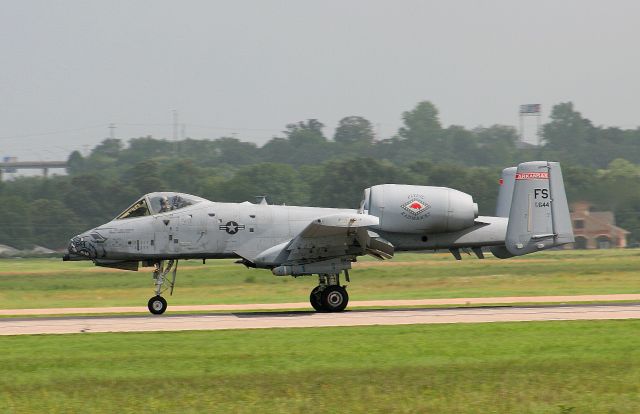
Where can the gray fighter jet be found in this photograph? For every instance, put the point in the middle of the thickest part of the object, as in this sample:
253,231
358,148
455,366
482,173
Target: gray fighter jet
162,228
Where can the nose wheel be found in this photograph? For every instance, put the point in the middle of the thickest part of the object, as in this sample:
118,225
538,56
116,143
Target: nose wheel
164,277
157,305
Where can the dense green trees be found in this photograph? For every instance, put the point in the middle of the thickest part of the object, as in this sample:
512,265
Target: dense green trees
422,125
280,183
571,137
341,182
303,167
354,130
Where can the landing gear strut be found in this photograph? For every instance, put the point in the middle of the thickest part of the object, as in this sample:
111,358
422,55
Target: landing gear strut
157,304
329,296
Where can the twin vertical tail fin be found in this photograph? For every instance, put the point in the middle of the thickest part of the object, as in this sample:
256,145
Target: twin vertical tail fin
505,195
533,197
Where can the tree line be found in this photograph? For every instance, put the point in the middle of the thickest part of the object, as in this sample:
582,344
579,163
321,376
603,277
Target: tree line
304,167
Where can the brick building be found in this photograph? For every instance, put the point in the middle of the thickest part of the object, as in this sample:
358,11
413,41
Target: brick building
595,229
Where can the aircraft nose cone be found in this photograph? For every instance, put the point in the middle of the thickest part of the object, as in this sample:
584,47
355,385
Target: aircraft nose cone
81,247
74,244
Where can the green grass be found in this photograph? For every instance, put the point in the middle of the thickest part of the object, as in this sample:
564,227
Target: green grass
542,367
41,283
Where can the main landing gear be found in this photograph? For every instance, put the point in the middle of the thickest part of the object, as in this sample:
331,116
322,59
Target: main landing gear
157,304
329,296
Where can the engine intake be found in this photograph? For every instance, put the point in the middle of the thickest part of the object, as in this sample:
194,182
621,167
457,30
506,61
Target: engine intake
419,209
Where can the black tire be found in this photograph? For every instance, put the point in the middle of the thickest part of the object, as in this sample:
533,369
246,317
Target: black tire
315,298
334,299
157,305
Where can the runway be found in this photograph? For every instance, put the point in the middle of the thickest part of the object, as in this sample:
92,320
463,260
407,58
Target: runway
502,300
300,319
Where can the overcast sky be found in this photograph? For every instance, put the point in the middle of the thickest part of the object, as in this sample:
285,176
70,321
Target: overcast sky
251,67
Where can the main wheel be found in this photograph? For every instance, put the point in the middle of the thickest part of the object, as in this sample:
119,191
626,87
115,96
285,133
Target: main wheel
334,299
157,305
316,299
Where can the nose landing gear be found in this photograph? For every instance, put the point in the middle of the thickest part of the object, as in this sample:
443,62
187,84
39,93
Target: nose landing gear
157,304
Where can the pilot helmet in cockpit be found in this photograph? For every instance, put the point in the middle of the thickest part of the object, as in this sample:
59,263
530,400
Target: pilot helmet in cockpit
164,204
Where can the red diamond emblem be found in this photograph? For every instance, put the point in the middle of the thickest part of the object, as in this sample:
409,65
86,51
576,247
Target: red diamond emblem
415,206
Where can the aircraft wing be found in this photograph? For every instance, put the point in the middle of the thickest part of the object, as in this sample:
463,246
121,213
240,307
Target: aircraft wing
337,225
330,237
337,235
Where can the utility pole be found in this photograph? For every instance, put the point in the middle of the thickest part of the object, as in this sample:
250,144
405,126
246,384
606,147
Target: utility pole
175,124
112,130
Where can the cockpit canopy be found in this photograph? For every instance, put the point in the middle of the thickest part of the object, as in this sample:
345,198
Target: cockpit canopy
157,203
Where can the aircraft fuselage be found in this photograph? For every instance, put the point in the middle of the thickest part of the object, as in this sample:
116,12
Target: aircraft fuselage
210,230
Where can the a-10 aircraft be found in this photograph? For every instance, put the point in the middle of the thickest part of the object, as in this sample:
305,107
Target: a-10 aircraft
161,228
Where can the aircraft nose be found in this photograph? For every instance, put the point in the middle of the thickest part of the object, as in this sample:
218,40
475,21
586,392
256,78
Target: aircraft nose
81,247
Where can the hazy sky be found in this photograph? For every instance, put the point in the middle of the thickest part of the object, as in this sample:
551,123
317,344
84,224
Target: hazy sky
251,67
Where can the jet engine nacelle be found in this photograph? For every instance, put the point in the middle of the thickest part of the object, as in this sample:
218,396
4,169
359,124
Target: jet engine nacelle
419,209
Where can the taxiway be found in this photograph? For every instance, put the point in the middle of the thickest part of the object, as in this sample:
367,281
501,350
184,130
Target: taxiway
300,319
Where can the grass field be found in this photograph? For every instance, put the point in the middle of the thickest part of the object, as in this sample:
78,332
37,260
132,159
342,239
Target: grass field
43,283
547,367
